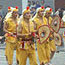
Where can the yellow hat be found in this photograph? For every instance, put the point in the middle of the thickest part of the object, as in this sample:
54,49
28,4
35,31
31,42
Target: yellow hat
40,9
15,9
48,10
26,10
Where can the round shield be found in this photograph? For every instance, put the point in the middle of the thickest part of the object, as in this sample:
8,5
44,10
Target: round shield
44,33
57,39
55,23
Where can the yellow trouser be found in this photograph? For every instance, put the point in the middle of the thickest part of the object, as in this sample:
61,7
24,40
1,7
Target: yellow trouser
6,49
11,48
43,52
52,45
27,53
17,51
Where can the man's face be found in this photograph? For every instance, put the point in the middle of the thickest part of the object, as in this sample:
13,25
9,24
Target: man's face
15,14
40,13
48,14
27,15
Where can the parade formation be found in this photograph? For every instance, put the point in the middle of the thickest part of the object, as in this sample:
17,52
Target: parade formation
27,34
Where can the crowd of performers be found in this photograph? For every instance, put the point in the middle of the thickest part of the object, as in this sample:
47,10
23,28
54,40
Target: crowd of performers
21,32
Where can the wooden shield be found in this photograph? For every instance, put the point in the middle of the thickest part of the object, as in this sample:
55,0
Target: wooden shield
57,39
55,25
44,33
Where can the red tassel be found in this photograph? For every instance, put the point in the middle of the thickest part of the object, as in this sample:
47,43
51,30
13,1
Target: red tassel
28,8
16,7
50,9
39,40
33,34
9,7
42,7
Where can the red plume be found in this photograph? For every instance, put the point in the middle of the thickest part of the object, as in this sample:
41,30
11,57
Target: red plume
42,7
9,7
27,7
16,7
50,9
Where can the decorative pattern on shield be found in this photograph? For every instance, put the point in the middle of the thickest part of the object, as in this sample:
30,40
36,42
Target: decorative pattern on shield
55,23
44,33
57,39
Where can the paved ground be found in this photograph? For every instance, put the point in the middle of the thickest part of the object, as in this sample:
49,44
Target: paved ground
59,58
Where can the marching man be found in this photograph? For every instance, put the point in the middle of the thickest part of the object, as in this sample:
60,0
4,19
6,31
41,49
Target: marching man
8,15
48,12
43,49
10,27
27,46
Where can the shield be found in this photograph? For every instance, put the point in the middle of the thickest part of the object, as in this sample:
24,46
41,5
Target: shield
44,33
57,39
55,25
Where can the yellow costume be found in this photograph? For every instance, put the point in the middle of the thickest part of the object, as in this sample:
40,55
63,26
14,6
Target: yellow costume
11,39
51,43
29,50
6,17
43,49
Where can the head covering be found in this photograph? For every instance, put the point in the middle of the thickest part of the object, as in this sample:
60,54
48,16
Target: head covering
48,10
9,8
40,9
15,9
26,10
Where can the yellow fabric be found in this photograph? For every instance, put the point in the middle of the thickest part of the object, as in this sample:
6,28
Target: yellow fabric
11,28
26,31
46,21
51,43
11,48
42,49
11,42
48,11
11,25
29,49
17,51
26,11
38,23
16,10
6,49
43,52
8,15
30,54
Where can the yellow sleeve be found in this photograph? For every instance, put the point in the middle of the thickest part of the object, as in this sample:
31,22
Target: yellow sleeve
45,20
50,20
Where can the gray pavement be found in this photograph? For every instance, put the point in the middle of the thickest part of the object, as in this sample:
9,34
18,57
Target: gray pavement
59,58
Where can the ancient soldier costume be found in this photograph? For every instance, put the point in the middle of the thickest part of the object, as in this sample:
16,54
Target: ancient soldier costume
43,49
10,27
27,46
48,11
